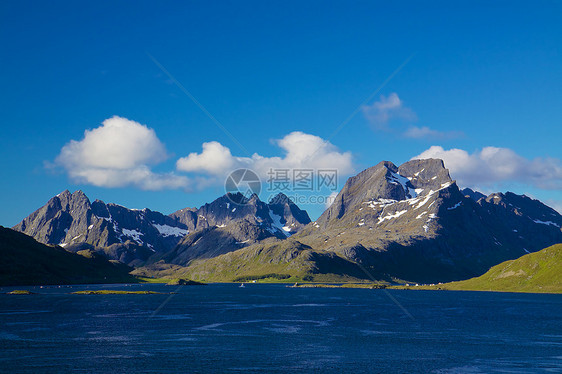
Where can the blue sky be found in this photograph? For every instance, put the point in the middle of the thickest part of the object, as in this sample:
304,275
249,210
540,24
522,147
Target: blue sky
483,80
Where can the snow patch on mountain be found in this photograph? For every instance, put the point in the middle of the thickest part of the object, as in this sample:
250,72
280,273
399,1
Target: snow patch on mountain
456,206
134,234
391,216
423,202
398,179
546,222
166,230
380,203
278,225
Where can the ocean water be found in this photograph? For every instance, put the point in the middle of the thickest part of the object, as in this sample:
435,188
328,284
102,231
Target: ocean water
263,328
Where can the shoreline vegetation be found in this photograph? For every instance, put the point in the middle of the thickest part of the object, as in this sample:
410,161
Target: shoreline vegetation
538,272
365,286
453,286
118,292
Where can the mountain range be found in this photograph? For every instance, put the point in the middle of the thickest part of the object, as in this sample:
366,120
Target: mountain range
134,236
413,222
410,222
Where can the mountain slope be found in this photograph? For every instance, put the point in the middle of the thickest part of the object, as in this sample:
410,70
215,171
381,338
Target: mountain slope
535,272
232,222
70,220
134,236
287,259
412,222
409,222
280,217
24,261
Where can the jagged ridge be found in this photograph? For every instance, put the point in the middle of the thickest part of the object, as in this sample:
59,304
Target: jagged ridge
412,222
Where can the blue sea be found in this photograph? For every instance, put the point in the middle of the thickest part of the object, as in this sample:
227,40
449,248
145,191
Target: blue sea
269,328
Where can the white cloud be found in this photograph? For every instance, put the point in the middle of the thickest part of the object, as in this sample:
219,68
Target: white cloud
415,132
389,108
117,154
118,144
301,151
214,159
493,165
330,199
120,153
306,151
386,109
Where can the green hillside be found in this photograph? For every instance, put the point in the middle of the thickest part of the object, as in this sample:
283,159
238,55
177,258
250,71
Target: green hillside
535,272
271,261
24,261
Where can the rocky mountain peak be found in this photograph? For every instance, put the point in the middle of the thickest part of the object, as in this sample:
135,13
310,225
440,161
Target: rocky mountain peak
524,207
409,222
79,194
67,201
387,182
254,199
233,208
401,217
70,220
370,184
281,199
235,198
290,215
64,194
232,222
426,173
474,195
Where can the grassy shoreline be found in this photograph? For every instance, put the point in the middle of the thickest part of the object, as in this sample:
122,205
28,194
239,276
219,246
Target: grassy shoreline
538,272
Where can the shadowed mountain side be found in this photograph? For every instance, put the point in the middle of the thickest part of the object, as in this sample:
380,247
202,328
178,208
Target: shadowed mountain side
213,241
24,261
129,253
